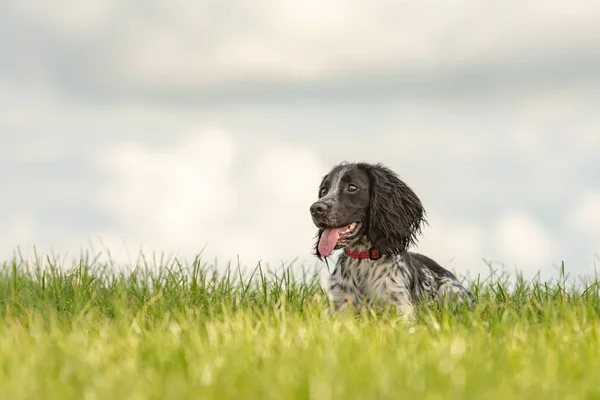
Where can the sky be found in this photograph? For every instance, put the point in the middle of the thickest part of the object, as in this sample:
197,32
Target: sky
188,126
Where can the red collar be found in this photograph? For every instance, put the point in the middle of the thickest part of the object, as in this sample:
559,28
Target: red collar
371,253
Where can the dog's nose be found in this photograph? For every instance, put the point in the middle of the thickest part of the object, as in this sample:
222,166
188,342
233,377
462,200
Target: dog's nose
318,208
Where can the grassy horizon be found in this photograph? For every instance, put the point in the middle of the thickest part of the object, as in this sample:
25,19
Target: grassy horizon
86,330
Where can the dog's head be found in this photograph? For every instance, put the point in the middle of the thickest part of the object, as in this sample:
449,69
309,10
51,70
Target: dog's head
360,201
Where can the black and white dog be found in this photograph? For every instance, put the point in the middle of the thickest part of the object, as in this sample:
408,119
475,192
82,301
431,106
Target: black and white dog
374,216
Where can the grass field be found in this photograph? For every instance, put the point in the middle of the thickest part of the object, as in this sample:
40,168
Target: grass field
184,332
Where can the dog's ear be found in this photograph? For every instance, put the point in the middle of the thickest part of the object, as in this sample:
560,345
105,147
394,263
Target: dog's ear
320,231
316,248
395,212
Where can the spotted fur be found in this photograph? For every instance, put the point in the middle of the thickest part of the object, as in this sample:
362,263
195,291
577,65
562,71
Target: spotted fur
390,216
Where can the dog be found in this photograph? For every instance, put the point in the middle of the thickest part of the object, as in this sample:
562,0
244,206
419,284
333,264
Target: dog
368,211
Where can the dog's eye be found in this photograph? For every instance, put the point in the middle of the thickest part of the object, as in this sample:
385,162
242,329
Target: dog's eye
352,188
322,192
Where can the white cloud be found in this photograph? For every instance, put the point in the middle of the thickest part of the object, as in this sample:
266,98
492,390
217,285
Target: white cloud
457,245
182,198
557,123
521,242
585,216
183,42
68,16
285,181
18,232
166,196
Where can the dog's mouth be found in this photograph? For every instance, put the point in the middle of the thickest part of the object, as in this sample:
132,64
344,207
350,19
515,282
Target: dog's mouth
331,237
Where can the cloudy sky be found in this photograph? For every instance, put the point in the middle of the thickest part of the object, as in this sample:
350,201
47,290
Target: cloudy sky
180,125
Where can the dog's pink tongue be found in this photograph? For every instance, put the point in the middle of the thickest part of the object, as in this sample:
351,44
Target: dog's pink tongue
328,241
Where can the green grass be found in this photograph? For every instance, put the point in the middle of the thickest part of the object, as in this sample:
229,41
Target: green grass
185,332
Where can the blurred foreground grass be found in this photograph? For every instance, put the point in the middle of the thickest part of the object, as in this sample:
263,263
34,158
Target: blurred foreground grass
183,331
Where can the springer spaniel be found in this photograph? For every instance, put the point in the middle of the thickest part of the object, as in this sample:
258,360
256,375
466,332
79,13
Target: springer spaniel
374,216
